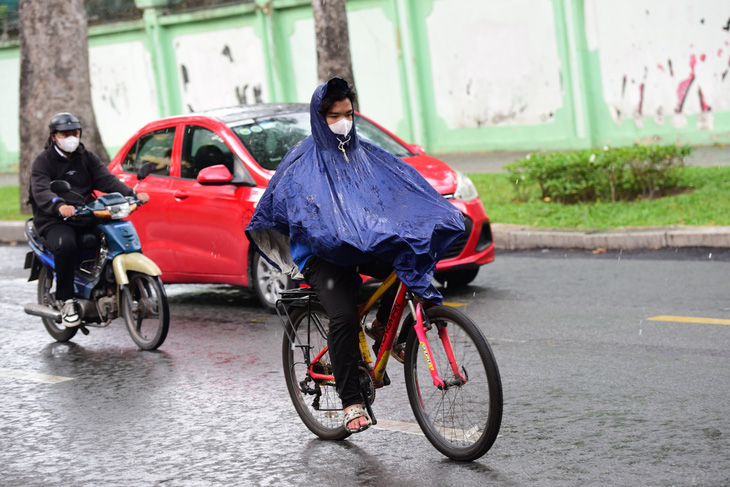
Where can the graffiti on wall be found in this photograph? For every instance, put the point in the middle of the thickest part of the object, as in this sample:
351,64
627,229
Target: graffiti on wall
662,60
498,65
122,89
220,68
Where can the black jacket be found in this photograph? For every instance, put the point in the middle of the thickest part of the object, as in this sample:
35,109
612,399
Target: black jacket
84,171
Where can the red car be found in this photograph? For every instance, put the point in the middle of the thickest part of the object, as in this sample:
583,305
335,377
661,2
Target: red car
211,169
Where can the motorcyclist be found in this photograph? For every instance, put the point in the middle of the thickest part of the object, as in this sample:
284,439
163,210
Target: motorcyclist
65,158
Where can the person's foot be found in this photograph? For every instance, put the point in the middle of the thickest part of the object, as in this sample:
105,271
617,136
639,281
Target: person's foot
356,418
398,352
375,330
70,314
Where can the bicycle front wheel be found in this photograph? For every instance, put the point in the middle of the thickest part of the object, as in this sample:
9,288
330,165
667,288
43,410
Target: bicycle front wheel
316,401
463,419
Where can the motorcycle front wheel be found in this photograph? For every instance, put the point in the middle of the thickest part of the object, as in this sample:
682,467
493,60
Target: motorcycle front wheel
56,330
146,310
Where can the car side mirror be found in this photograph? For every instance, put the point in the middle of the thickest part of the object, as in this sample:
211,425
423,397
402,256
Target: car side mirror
145,170
416,149
218,174
60,187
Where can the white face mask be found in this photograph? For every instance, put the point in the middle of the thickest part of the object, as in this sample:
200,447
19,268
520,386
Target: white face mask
341,127
69,144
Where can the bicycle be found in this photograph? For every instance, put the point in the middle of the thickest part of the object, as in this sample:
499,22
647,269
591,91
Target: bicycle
453,385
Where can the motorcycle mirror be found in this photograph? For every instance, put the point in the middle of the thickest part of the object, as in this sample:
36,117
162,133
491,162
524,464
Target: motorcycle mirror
60,187
145,170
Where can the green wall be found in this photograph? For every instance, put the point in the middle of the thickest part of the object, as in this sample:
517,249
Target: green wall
397,52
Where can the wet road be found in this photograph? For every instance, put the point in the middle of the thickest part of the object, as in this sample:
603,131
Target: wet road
595,392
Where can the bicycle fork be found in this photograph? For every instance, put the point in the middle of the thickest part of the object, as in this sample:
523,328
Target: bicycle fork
458,378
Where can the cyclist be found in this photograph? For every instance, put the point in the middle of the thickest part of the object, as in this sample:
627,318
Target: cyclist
339,206
64,157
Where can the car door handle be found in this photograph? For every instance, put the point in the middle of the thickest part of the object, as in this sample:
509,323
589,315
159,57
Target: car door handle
180,195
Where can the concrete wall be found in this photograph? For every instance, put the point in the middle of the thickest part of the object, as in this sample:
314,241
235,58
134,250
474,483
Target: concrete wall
451,75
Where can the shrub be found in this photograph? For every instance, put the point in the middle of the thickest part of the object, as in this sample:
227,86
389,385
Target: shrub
614,174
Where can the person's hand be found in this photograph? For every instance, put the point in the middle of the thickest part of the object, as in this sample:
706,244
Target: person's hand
143,197
67,211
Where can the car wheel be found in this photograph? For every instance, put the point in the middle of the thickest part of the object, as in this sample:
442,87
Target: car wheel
457,279
269,282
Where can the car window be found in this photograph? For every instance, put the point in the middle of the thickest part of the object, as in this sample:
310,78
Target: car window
203,148
154,147
269,139
372,133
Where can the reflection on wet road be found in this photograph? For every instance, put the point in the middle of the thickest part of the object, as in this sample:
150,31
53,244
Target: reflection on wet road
594,393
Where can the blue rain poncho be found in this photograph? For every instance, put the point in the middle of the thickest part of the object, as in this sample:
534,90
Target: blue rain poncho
353,205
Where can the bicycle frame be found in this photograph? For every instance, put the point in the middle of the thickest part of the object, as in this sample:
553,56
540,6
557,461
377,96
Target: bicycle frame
377,367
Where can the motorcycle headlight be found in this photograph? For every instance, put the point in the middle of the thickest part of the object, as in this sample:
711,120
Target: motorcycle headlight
119,211
465,190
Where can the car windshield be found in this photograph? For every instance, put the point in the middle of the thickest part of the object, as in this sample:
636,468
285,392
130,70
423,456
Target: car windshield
269,139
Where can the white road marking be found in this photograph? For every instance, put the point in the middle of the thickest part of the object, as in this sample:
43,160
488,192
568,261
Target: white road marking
401,426
33,376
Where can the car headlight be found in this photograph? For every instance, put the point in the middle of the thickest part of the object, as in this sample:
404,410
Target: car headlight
465,190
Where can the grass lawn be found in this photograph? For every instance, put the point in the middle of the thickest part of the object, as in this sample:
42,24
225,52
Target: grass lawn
10,204
706,203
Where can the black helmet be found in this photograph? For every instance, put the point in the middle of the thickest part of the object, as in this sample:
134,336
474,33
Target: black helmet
64,121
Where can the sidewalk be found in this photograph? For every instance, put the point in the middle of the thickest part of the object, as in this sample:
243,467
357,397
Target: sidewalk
514,237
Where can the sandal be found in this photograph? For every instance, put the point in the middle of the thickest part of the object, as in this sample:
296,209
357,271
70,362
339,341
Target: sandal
375,331
353,413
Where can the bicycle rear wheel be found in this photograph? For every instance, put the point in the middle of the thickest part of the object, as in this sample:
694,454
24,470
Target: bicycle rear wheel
316,401
463,420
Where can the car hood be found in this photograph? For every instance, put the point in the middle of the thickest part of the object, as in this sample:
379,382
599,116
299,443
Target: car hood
437,172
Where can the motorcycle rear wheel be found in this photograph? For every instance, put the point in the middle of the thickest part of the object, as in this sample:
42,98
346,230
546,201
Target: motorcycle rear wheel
56,330
146,310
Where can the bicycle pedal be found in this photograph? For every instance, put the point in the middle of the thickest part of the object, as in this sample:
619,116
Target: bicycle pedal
382,383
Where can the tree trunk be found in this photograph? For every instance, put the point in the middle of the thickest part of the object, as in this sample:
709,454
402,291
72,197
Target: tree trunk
54,77
333,41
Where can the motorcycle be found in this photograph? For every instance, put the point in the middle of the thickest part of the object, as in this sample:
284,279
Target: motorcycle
112,277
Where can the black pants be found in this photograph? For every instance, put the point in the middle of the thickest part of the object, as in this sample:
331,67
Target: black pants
337,288
64,241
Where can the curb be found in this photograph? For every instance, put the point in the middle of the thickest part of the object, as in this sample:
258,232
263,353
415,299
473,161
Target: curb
518,237
12,232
